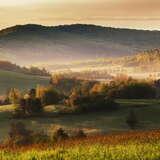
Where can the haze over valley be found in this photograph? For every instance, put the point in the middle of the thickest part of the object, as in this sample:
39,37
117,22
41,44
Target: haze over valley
35,44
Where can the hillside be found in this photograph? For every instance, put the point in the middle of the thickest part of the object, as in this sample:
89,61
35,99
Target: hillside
148,60
9,66
72,42
21,81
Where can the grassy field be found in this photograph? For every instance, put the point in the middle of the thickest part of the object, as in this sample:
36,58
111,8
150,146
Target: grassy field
18,80
122,146
147,111
94,152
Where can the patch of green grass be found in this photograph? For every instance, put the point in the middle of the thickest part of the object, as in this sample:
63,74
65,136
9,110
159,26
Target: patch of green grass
89,122
131,151
18,80
138,102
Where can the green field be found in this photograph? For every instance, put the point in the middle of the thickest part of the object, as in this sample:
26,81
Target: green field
147,111
93,152
18,80
138,145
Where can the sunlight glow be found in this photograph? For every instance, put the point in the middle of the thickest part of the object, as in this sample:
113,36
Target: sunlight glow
15,2
140,14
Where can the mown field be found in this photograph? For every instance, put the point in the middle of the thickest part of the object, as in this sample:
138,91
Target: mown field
147,112
18,80
144,145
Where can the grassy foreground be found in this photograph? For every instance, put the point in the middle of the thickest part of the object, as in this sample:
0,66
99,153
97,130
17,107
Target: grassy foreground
94,152
126,146
138,145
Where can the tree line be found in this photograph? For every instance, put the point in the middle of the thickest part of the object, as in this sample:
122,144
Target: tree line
81,96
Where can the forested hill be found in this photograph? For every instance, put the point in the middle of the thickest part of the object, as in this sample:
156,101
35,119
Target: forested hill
8,66
148,59
30,43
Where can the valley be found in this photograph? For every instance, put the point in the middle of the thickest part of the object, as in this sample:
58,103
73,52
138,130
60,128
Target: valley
64,85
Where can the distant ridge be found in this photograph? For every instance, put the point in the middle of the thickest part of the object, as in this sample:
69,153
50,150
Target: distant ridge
31,43
68,27
147,59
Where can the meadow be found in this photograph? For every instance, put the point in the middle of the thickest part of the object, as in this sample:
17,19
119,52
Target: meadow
21,81
147,112
144,145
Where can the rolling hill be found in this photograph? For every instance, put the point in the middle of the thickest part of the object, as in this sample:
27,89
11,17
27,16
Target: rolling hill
9,66
10,79
29,44
149,60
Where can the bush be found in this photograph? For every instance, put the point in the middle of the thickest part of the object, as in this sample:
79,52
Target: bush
50,96
14,96
60,134
91,102
4,101
19,135
131,89
29,106
33,105
138,91
80,134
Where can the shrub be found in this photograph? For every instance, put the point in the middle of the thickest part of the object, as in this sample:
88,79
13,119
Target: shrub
19,135
14,96
50,96
80,134
33,105
90,102
60,134
32,93
129,89
139,90
27,107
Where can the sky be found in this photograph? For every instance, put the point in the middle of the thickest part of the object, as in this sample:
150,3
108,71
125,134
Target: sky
139,14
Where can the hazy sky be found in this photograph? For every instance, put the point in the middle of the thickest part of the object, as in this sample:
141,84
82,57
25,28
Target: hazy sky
143,14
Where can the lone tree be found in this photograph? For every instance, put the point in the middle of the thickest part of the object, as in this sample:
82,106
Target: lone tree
50,96
132,120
